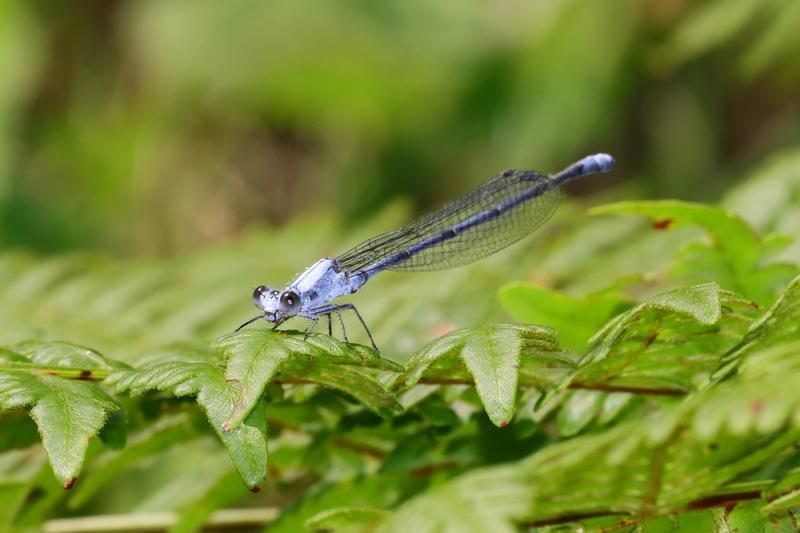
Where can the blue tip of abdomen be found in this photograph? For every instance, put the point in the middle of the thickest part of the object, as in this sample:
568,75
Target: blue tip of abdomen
597,163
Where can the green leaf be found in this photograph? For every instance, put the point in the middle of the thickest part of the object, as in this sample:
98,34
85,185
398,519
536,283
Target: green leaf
491,356
747,516
115,432
575,318
65,354
49,496
256,357
762,397
493,362
436,411
377,491
345,519
68,413
351,381
581,410
489,499
684,453
21,487
620,470
736,259
727,518
578,410
19,431
12,497
783,494
668,344
109,466
777,326
191,372
56,358
225,491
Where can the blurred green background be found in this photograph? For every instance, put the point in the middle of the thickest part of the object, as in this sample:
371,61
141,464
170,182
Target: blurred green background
155,127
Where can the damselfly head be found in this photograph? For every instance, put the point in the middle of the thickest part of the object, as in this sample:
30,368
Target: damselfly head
275,305
266,299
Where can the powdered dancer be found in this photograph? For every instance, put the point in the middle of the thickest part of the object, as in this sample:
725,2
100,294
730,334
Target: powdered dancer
498,213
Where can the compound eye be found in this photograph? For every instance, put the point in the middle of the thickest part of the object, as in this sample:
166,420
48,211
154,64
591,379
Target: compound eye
290,302
259,293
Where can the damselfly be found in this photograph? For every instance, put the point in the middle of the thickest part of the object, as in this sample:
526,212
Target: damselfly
498,213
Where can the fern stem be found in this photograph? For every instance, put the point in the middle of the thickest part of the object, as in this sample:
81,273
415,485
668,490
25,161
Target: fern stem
83,374
653,391
727,496
225,518
601,387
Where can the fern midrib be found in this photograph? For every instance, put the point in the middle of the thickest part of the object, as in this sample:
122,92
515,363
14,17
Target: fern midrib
81,374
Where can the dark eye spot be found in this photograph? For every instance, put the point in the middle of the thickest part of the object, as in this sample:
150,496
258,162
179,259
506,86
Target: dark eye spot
258,293
290,301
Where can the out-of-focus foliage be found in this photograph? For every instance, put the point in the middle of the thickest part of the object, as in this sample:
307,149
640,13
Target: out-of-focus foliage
159,126
159,159
681,406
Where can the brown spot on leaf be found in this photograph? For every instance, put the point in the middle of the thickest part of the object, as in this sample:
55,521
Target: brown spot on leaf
651,338
727,514
663,223
85,374
255,489
503,423
68,484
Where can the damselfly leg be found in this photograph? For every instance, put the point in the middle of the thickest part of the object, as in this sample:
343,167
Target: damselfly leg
334,308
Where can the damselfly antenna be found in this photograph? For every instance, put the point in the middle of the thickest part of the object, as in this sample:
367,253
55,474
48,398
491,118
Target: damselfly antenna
249,322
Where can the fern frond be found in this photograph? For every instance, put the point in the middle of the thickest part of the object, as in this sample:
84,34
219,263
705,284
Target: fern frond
68,412
201,374
496,357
